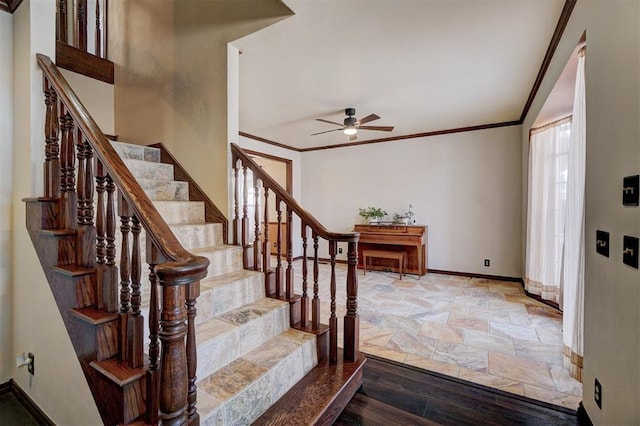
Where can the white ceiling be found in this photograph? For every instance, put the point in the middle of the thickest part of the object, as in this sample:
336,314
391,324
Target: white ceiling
421,65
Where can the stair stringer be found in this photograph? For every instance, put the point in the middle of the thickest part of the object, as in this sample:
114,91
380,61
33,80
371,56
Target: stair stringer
56,248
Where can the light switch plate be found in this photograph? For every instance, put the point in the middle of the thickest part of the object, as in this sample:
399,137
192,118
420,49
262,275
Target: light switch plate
630,190
630,251
602,242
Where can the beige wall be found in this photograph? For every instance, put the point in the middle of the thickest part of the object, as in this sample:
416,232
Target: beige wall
612,289
171,78
58,386
465,187
6,192
96,96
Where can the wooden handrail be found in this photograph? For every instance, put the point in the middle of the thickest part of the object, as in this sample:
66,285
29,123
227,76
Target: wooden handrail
149,217
291,203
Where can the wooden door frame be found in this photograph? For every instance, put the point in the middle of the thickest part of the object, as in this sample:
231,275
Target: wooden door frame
288,165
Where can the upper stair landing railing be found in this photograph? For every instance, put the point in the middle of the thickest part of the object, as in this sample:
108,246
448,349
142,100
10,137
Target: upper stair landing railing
253,189
83,24
71,134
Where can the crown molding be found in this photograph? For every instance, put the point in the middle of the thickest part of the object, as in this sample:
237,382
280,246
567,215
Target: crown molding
9,5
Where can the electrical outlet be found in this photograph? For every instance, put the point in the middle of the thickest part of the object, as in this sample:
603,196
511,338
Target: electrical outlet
339,250
487,262
31,364
597,394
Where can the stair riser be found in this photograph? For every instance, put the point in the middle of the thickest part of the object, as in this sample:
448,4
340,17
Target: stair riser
136,152
148,170
161,190
198,235
224,298
224,348
223,261
184,212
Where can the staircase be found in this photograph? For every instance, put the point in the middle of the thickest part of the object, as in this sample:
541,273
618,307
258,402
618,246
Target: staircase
248,356
211,333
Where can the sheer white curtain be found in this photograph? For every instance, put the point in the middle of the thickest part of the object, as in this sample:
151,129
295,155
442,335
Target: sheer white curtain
573,258
546,213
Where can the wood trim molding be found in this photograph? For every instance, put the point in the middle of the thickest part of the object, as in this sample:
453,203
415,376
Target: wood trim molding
287,163
553,44
10,5
416,135
72,59
474,275
32,408
269,142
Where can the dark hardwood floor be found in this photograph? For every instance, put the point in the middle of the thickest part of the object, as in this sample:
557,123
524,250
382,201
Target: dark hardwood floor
397,394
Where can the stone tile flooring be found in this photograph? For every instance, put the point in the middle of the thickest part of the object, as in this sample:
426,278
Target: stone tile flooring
484,331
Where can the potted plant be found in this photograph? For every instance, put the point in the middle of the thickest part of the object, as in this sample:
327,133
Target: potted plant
372,214
405,218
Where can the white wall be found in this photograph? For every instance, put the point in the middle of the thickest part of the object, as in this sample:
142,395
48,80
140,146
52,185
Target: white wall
612,289
96,96
58,386
6,191
465,187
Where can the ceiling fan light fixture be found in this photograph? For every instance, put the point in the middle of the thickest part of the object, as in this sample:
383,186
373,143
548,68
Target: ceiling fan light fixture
350,131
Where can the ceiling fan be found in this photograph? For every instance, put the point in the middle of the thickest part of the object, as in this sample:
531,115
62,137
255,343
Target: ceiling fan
351,125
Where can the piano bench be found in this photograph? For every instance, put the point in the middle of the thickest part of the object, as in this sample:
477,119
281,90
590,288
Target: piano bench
400,256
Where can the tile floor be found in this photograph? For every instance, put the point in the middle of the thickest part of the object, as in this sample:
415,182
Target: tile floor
484,331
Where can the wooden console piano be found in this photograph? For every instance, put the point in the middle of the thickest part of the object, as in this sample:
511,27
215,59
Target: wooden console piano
405,238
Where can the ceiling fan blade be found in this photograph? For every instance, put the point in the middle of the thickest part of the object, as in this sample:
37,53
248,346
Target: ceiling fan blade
326,131
353,137
330,122
368,118
382,128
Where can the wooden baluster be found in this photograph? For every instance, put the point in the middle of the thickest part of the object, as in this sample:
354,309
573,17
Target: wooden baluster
125,294
80,30
245,221
105,26
315,303
279,248
173,363
333,320
98,51
61,22
81,177
351,319
111,272
289,279
257,256
86,248
52,162
135,323
236,202
88,197
153,382
68,204
304,307
269,282
193,292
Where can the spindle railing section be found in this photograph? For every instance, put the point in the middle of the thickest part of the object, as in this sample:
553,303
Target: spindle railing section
255,191
75,28
80,162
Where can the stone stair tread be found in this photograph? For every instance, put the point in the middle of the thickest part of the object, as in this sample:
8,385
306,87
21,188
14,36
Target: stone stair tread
160,180
252,311
130,150
209,249
225,279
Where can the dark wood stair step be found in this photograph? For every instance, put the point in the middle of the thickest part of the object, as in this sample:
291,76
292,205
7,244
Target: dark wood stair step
99,331
123,388
84,281
319,397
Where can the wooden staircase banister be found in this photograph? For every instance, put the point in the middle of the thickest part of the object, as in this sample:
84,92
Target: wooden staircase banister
279,282
151,220
291,202
74,142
